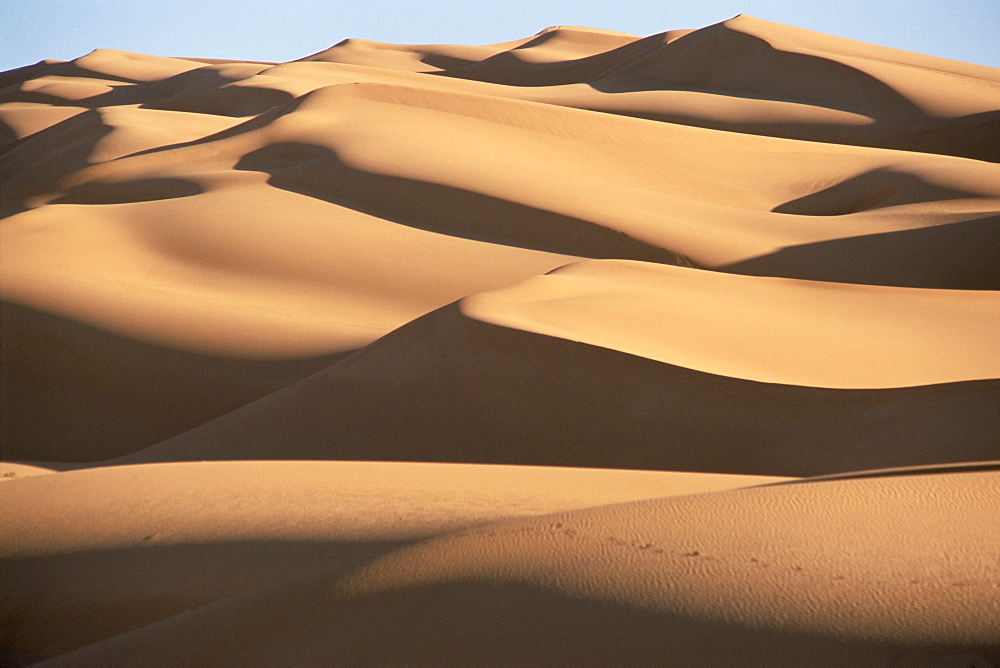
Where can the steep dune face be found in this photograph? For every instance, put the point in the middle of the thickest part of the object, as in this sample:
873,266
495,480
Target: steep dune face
690,262
535,375
685,317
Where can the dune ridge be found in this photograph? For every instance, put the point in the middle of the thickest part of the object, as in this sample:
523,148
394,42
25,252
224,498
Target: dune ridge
585,348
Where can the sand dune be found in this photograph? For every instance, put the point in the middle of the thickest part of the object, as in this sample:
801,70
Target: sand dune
320,336
721,77
685,317
873,571
130,545
534,375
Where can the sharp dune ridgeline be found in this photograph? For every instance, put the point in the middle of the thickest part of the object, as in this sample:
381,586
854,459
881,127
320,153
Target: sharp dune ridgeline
581,349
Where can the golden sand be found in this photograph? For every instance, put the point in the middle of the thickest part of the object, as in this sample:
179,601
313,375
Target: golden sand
578,349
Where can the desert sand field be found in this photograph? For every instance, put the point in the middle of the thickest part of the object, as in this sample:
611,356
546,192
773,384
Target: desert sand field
581,349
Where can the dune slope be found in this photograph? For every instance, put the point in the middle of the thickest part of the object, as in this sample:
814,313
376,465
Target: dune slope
90,554
534,375
896,570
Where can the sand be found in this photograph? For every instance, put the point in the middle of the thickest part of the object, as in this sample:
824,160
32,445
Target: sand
583,348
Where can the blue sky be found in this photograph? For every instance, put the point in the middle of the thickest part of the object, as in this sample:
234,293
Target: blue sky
273,30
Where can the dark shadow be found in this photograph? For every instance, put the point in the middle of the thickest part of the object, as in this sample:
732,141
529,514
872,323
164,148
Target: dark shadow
35,164
508,69
92,594
334,55
484,619
708,60
108,192
8,137
718,59
944,469
124,192
975,136
70,155
19,75
499,620
728,62
319,172
723,61
203,90
73,392
228,61
447,63
448,388
71,68
124,90
232,101
67,145
121,93
871,190
960,256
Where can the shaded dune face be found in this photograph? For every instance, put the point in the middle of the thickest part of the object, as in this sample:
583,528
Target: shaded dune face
318,172
453,388
509,354
76,393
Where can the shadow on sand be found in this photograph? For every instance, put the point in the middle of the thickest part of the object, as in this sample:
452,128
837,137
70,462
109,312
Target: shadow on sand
73,392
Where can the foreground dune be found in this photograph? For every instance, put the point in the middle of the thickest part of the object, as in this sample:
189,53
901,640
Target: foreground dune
125,546
896,570
503,355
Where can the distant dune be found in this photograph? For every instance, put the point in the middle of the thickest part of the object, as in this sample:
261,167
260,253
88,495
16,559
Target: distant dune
581,349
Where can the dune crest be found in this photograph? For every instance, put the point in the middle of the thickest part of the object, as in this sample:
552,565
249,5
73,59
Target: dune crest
677,325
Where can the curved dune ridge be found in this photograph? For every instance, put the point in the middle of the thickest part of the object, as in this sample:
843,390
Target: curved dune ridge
585,348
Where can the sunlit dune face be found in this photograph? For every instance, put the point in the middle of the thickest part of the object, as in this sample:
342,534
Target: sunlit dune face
763,329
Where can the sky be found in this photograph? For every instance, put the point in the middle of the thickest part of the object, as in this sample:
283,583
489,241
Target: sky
281,30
